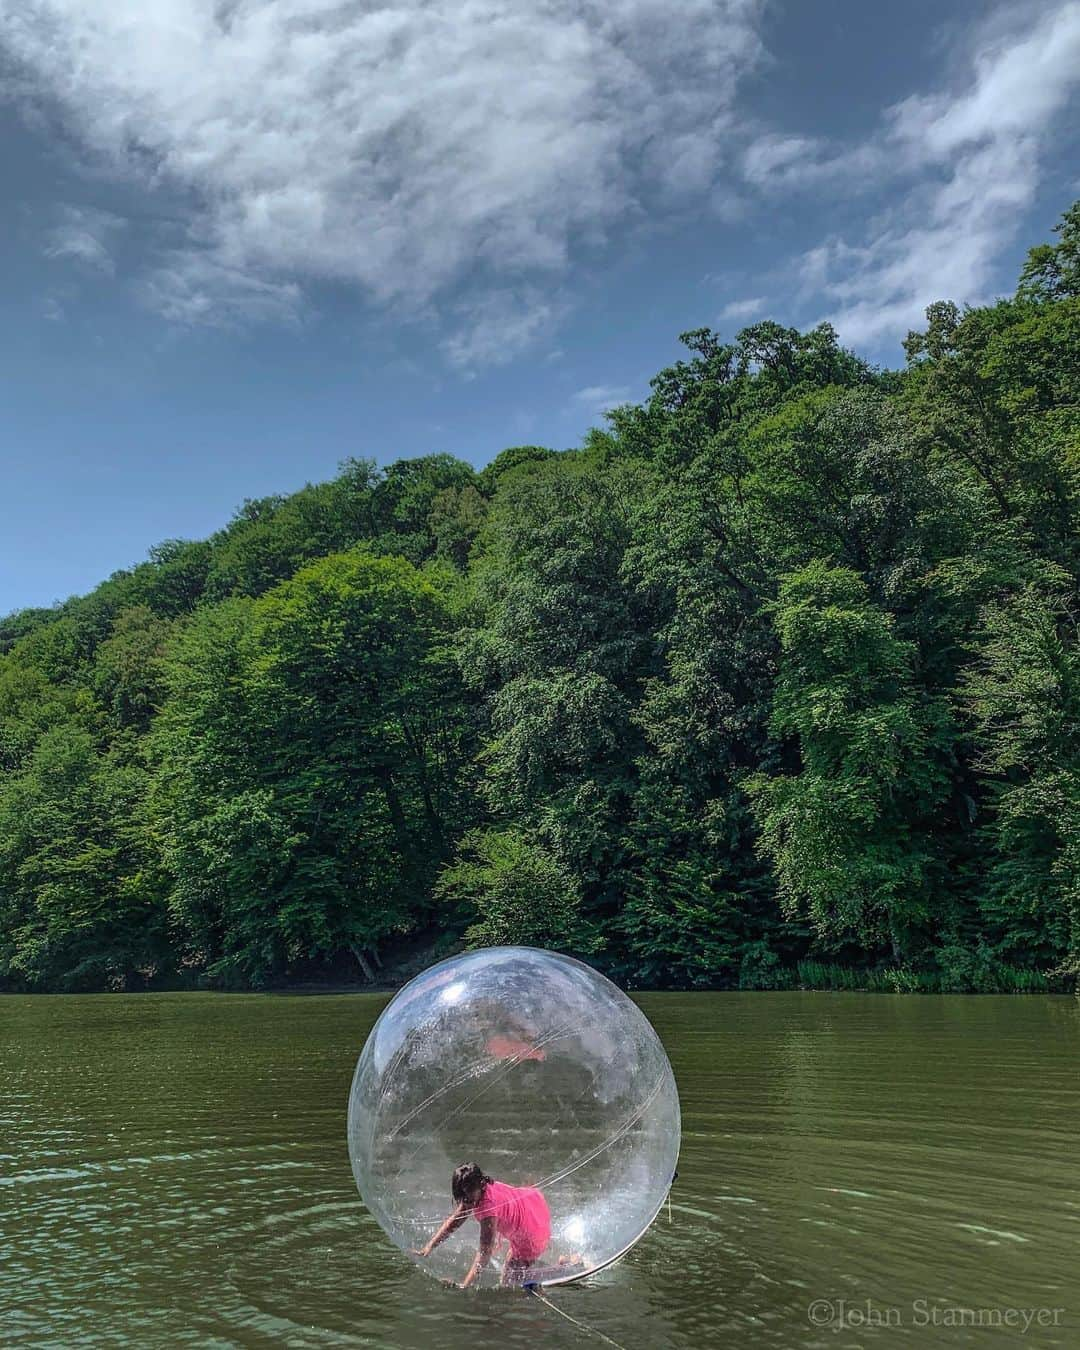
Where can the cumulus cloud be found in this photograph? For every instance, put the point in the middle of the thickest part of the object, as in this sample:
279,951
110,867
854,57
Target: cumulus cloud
597,399
743,309
404,148
82,236
961,165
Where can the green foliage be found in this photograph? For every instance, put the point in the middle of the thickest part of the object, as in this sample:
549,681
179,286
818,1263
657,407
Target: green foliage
962,972
128,674
774,682
849,832
695,912
81,901
310,752
518,892
1052,271
1023,693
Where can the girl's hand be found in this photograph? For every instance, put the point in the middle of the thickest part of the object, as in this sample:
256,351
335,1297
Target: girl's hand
420,1252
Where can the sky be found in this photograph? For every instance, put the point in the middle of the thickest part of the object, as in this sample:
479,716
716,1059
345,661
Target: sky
246,239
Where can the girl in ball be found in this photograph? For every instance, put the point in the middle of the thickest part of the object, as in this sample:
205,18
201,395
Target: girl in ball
518,1214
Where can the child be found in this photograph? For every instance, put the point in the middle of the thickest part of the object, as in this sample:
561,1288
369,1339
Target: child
517,1213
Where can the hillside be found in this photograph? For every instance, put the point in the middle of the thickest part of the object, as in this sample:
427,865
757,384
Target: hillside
780,667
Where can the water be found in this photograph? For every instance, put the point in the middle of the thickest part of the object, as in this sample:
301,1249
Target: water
856,1170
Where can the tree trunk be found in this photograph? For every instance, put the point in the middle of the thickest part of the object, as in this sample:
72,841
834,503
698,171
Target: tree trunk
365,964
393,805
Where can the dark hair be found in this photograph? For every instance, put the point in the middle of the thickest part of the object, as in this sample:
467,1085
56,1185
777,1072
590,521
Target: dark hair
466,1179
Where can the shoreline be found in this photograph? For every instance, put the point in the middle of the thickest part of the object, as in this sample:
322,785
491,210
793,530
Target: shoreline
409,959
309,989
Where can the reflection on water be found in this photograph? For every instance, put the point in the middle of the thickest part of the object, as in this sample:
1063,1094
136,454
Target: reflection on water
856,1170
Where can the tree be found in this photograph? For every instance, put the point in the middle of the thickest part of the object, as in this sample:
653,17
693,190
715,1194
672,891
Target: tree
518,892
1023,693
780,662
847,828
1052,271
311,758
129,667
81,899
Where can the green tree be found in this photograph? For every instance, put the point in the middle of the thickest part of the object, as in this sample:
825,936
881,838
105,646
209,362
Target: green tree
1023,693
312,756
848,828
128,670
780,662
517,892
81,897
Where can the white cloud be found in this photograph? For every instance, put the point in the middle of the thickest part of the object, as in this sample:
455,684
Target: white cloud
743,309
597,399
881,288
775,163
82,236
405,148
773,160
964,166
494,326
1020,79
200,288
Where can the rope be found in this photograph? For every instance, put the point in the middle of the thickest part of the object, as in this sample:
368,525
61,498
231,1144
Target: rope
589,1331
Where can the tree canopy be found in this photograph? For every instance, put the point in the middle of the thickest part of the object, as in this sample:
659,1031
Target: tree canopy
779,666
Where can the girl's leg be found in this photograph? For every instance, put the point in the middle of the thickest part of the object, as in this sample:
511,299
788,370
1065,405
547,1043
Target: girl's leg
514,1271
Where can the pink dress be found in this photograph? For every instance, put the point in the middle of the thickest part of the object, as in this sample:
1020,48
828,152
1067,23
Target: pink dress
521,1214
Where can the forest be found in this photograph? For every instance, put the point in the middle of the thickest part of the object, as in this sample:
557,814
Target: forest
774,682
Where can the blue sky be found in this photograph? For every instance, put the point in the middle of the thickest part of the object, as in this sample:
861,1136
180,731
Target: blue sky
247,238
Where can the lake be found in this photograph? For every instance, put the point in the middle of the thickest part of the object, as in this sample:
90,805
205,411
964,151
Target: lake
856,1170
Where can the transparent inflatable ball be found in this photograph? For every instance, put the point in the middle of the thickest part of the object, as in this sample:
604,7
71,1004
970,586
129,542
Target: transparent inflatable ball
543,1073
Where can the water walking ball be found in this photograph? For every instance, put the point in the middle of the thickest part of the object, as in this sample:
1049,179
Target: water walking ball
540,1070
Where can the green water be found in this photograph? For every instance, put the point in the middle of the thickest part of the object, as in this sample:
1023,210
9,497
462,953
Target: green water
856,1170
